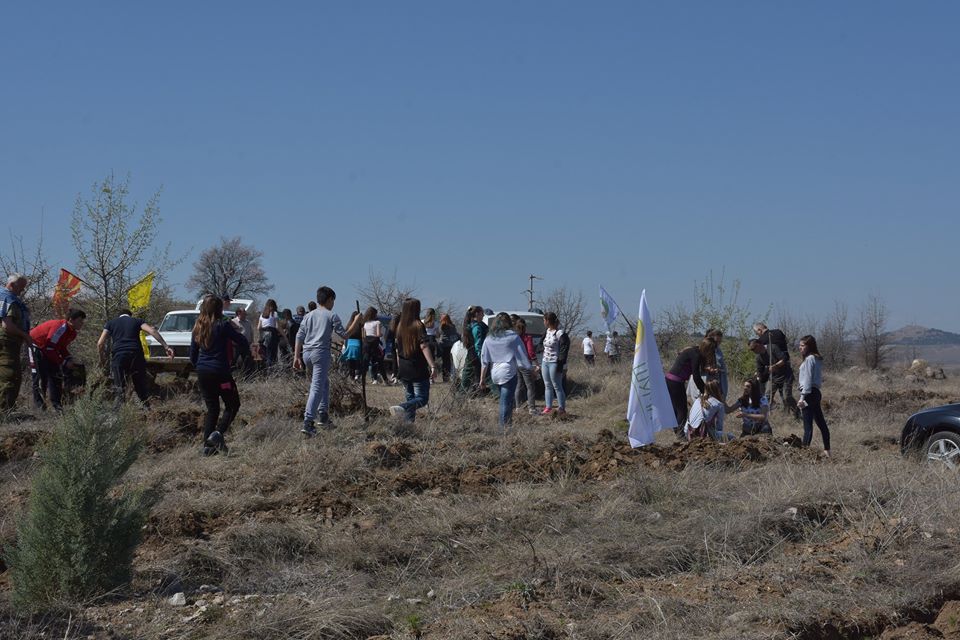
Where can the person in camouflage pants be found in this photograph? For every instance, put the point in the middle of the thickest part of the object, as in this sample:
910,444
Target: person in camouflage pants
14,327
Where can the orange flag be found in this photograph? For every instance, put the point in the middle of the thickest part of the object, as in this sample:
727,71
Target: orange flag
67,287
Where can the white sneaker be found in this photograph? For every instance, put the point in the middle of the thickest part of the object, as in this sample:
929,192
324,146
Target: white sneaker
398,411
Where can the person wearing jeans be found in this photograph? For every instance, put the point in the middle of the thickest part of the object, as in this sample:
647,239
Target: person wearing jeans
313,346
811,377
525,386
415,366
556,346
417,397
502,354
211,354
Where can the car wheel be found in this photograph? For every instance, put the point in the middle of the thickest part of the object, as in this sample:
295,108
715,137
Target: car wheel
944,447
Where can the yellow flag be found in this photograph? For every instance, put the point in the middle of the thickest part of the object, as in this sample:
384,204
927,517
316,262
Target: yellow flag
139,294
139,298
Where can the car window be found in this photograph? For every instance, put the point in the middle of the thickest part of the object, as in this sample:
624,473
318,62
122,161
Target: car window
179,322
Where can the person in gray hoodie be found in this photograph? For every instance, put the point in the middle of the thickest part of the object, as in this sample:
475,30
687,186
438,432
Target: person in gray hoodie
313,347
501,354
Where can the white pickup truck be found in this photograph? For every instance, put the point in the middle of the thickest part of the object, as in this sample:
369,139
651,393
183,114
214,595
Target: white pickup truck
176,328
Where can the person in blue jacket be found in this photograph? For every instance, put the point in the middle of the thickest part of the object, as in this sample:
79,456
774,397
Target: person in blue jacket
211,352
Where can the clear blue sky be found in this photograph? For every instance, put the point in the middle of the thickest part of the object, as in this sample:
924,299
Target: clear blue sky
810,150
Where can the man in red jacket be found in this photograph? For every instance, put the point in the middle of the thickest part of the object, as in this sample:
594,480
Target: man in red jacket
51,355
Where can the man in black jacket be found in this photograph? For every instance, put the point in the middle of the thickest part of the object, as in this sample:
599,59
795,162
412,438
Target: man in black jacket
773,362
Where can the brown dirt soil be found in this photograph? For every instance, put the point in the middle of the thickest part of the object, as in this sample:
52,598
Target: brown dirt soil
179,427
20,445
894,401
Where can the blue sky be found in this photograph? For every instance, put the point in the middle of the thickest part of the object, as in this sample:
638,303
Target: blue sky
809,150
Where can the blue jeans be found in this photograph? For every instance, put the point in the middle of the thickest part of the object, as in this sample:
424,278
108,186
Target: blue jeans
418,394
553,385
318,400
507,399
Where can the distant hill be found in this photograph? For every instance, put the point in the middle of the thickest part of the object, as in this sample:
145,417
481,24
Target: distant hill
934,345
915,335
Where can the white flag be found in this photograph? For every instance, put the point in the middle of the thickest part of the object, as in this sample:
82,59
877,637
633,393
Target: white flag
609,310
649,409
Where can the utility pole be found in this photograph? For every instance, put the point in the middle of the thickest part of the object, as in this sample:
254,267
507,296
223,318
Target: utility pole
529,291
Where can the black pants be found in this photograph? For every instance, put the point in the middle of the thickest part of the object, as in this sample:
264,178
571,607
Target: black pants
270,341
132,364
678,397
213,387
784,386
589,357
373,357
446,359
813,412
47,378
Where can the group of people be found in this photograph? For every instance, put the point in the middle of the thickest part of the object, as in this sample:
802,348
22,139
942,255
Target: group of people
501,357
701,369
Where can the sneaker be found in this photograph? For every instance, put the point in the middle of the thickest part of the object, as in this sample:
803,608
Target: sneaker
398,411
216,441
561,412
308,429
209,451
534,412
374,381
546,411
326,422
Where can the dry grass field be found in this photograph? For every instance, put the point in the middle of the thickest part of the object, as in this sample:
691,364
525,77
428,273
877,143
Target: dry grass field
446,529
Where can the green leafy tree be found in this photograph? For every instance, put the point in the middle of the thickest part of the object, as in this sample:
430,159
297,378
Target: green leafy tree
78,536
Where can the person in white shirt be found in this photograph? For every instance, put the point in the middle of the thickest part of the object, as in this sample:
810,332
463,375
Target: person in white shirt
611,348
811,378
705,412
588,353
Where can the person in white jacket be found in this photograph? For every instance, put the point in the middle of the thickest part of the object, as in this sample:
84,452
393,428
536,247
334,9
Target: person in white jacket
502,353
811,377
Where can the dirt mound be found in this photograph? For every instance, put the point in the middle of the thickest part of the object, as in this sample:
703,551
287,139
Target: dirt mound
389,456
177,427
600,460
20,445
903,401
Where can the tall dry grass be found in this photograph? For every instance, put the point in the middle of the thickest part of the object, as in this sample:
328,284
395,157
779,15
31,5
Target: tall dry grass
346,535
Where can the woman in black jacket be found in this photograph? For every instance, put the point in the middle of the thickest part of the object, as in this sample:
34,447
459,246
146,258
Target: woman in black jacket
691,362
211,352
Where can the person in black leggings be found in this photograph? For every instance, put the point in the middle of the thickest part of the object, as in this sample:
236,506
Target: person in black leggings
211,347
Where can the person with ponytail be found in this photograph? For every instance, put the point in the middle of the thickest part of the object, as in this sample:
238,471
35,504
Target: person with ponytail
211,353
706,411
472,336
811,378
415,366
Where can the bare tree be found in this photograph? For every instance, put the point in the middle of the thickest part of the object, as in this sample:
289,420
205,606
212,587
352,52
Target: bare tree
386,294
116,245
872,331
795,326
673,328
569,307
230,268
832,340
33,264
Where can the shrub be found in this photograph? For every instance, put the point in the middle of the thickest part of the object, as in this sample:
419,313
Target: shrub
77,538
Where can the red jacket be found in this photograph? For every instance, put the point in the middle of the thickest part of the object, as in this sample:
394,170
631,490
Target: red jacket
53,337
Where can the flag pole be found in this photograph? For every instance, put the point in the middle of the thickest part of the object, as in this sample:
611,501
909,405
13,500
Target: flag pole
633,328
